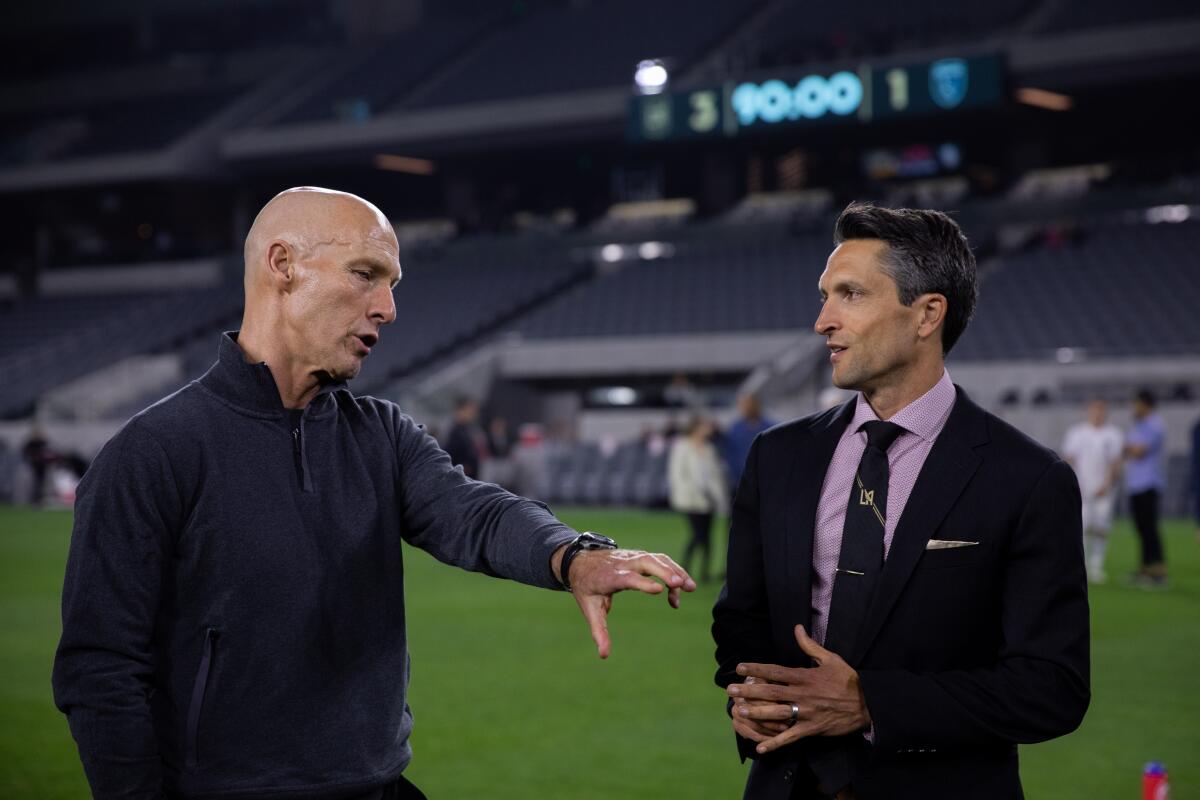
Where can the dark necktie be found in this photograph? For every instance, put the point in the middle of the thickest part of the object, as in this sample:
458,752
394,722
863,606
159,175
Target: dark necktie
859,564
861,559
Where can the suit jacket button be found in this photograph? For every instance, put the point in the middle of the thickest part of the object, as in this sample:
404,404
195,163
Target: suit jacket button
787,776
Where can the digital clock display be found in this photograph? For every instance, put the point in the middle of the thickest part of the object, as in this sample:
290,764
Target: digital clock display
862,95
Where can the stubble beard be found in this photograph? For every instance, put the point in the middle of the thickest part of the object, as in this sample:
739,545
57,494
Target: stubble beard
848,377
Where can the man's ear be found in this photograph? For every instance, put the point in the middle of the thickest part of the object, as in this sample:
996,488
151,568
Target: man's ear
281,263
931,314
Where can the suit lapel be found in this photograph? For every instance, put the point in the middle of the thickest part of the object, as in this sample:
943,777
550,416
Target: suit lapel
806,476
948,468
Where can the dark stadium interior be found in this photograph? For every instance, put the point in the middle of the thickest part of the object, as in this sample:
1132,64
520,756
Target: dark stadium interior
612,216
501,144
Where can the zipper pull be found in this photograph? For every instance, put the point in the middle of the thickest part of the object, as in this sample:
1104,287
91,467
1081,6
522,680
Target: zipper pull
297,456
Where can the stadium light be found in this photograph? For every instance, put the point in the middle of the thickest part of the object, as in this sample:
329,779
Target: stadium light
649,251
1176,213
412,166
621,396
612,253
651,76
1041,98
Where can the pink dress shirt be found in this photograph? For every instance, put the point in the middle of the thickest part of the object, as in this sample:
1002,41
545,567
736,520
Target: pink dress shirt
922,419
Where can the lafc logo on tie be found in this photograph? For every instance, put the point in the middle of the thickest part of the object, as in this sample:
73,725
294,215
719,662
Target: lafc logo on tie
866,498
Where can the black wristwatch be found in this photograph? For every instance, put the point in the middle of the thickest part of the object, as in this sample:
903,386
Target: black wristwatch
584,541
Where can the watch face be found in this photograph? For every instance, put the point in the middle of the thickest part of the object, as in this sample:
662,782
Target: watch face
594,541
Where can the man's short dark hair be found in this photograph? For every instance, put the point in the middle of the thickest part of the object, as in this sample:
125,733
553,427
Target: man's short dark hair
926,253
1146,397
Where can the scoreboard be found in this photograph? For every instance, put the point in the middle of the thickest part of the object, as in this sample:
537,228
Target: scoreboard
862,95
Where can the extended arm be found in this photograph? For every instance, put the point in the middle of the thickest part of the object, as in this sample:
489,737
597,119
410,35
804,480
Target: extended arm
481,527
474,525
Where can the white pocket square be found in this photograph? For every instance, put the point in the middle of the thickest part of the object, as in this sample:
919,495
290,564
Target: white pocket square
946,544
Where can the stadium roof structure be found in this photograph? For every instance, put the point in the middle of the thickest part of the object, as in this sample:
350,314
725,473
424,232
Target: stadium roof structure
464,82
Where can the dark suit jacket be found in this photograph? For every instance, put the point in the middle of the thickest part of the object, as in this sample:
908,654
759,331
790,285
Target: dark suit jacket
965,652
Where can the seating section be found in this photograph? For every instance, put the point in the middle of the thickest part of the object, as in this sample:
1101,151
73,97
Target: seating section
706,287
42,41
577,46
1084,14
800,33
48,341
1121,291
126,128
580,473
1092,294
458,54
443,302
629,476
381,79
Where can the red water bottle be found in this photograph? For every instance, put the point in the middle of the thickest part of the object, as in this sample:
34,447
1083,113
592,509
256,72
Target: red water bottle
1154,782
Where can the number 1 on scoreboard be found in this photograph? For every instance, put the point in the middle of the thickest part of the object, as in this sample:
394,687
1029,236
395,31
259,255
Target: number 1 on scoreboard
897,81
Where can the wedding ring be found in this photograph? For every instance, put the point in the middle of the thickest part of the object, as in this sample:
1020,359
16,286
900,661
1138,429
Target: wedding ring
795,714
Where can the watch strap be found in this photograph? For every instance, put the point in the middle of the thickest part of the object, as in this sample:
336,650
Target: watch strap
584,541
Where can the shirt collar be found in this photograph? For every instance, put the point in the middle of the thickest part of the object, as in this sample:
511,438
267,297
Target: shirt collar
251,387
925,416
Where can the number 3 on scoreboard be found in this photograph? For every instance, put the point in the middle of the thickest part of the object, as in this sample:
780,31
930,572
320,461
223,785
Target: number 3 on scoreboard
704,115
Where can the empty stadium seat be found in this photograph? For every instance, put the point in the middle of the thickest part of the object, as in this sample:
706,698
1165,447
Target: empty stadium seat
708,286
1124,290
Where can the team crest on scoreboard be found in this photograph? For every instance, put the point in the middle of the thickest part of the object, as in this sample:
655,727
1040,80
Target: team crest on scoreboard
656,117
948,82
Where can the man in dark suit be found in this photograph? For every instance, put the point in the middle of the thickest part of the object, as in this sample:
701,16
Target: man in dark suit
906,599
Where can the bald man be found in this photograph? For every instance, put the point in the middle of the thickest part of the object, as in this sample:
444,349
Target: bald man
233,611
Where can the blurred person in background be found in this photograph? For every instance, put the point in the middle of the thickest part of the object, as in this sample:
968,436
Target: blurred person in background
498,438
741,433
498,466
465,441
906,599
682,393
37,454
1196,476
233,607
1144,483
697,489
1093,448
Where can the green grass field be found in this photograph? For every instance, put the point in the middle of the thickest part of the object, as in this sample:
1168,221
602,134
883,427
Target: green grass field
511,701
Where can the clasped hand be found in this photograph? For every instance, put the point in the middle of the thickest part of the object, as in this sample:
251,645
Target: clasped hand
776,705
596,575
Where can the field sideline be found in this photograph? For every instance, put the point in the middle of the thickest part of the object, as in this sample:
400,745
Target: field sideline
510,700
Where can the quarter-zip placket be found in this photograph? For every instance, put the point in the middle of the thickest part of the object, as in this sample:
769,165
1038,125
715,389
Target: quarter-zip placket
296,454
299,456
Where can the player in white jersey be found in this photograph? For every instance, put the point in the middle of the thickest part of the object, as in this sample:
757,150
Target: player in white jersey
1093,449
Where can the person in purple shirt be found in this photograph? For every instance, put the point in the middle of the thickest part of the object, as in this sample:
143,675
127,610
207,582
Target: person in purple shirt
905,600
1145,482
